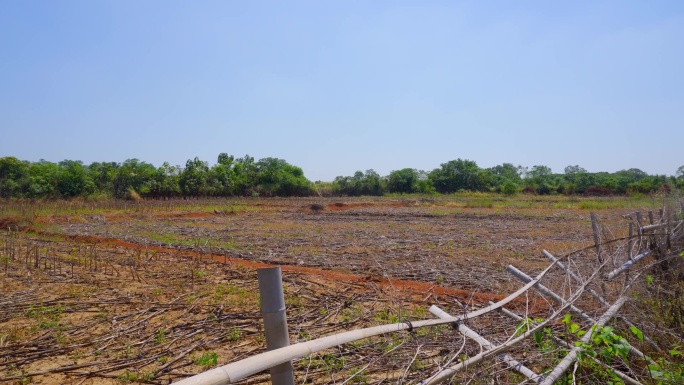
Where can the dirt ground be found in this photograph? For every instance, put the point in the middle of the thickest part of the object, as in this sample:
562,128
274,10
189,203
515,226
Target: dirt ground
155,292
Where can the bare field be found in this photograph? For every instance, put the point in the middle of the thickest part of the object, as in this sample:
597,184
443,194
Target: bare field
151,292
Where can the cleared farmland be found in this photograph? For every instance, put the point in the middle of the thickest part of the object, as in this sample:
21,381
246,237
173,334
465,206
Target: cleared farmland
116,292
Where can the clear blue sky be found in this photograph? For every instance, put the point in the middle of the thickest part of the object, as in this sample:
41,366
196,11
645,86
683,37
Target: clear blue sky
335,87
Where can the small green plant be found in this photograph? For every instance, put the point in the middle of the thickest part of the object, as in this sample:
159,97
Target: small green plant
234,334
199,273
48,324
304,335
606,345
160,336
355,377
649,279
127,377
25,380
147,376
127,352
391,316
351,313
102,316
52,312
328,362
207,360
293,301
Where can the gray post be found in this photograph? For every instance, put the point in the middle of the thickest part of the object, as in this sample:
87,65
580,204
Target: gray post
640,231
275,320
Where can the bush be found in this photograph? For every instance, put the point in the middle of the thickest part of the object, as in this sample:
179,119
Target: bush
544,189
133,196
530,190
597,191
509,188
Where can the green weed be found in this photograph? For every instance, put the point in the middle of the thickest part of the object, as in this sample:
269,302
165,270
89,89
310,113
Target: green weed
207,360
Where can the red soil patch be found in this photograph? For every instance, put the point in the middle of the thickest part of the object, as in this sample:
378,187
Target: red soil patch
14,223
412,287
347,206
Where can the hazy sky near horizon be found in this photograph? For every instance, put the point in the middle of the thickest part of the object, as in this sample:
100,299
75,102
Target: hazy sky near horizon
340,86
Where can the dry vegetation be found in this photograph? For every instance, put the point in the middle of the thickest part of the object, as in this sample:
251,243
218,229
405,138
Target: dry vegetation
151,292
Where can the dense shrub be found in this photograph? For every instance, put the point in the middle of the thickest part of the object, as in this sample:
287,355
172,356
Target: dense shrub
530,190
597,191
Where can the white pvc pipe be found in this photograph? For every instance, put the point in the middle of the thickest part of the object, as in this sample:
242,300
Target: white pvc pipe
628,264
251,365
546,291
275,320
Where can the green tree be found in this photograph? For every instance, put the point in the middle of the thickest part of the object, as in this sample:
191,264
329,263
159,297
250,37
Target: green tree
372,184
458,175
403,181
368,183
221,176
225,159
507,171
509,188
133,174
166,181
504,175
74,179
575,180
540,172
631,180
245,176
13,173
103,175
43,179
574,170
541,177
193,179
277,177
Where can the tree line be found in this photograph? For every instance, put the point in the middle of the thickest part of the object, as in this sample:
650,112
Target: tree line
231,176
464,175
